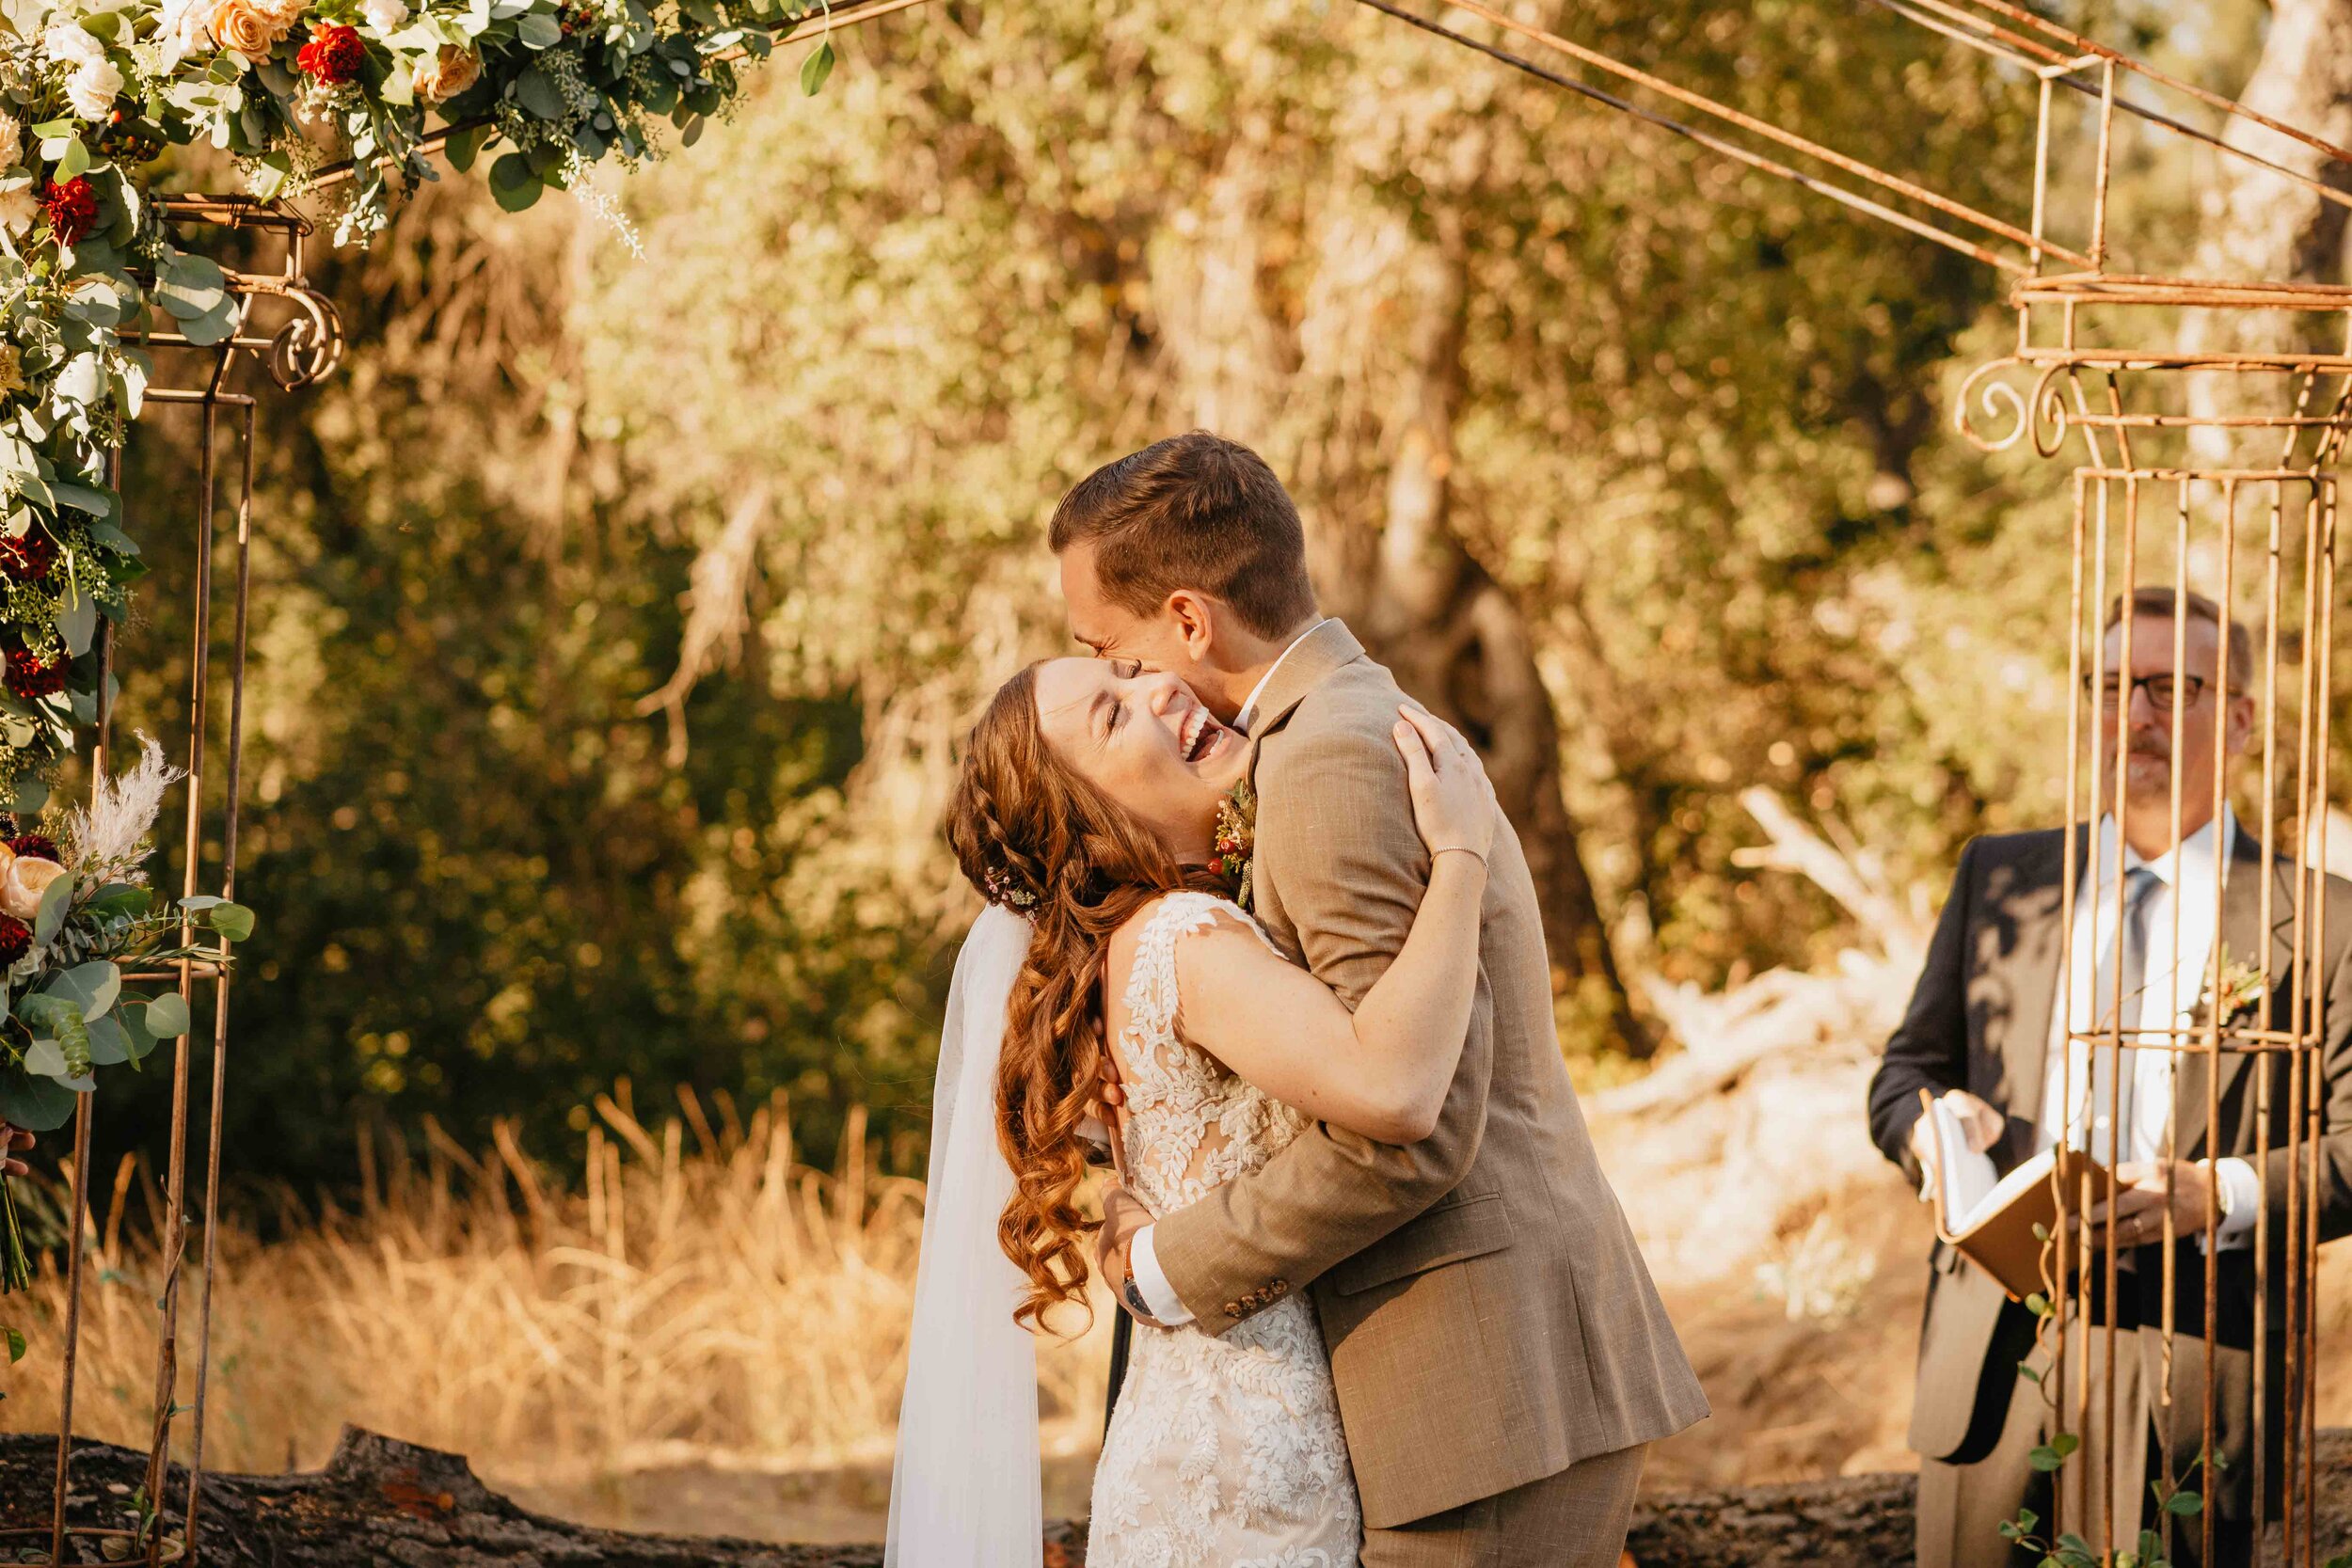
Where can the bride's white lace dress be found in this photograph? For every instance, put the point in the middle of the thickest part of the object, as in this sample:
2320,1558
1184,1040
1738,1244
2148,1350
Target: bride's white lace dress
1224,1453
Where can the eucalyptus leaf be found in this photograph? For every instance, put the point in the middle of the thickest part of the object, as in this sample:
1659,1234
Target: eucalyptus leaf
46,1058
77,619
817,68
233,921
109,1042
167,1016
513,183
91,987
55,900
538,30
36,1104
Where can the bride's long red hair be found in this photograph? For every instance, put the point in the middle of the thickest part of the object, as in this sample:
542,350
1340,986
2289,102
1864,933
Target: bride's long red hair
1034,835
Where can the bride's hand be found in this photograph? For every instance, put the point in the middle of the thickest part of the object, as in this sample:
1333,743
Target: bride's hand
11,1140
1454,804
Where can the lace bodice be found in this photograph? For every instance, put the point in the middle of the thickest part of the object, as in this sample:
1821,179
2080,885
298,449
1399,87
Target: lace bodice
1225,1451
1191,1125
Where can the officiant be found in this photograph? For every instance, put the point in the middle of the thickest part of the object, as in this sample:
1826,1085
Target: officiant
1987,1031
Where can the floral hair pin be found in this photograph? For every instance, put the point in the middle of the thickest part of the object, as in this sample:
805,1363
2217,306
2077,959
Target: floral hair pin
1002,889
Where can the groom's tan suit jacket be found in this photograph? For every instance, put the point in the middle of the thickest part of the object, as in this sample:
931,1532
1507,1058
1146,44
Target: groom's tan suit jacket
1489,1318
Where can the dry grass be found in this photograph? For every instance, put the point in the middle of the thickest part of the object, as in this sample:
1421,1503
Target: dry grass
696,1292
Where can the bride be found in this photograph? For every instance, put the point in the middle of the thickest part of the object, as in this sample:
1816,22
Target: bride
1087,814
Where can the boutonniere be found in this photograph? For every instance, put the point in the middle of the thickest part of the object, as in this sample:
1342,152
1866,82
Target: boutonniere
1236,838
2242,989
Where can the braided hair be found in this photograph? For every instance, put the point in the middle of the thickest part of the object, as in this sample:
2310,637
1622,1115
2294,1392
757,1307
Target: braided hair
1035,837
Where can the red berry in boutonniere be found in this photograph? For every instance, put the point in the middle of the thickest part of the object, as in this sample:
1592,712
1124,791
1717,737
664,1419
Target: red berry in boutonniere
73,208
36,846
27,557
15,939
30,678
333,56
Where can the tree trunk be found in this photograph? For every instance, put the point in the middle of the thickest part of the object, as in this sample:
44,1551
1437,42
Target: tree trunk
1457,640
2255,225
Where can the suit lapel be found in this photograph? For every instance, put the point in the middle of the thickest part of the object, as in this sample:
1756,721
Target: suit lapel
1310,662
2242,942
2025,954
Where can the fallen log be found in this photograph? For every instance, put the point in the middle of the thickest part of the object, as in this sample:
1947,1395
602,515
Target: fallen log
380,1501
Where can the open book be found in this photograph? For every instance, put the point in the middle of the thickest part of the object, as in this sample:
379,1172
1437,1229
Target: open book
1991,1218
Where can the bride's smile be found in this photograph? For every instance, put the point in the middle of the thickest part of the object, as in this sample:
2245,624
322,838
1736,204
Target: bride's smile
1144,739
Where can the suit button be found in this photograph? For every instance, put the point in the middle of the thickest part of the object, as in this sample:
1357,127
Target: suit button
1281,1286
1232,1309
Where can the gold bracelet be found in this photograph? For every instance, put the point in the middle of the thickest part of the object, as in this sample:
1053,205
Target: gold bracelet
1479,855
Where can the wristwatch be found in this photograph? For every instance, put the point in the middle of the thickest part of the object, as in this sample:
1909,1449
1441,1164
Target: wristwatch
1131,1293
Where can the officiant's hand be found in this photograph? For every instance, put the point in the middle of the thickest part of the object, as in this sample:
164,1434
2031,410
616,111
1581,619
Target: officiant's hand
11,1140
1123,1215
1982,1123
2138,1218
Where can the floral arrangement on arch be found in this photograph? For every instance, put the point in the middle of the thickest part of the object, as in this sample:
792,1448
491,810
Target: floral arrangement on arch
92,92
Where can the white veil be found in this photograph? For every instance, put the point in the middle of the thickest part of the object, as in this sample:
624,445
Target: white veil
965,1491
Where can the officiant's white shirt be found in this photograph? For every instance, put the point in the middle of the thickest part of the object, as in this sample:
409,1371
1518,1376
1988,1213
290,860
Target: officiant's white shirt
1167,1306
2180,935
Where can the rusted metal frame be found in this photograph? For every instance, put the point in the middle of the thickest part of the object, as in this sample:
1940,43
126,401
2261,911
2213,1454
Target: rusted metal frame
2092,357
2225,853
231,782
2106,158
2169,1264
2108,1033
1753,126
849,13
175,1233
2212,100
2051,1332
2262,1071
1712,143
2323,654
2053,65
2302,1304
2098,288
2084,1261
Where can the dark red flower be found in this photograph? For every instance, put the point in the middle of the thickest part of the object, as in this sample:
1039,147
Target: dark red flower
333,56
73,208
15,938
36,846
29,678
27,559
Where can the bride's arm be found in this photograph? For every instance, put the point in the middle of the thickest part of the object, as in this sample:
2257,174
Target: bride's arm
1383,1070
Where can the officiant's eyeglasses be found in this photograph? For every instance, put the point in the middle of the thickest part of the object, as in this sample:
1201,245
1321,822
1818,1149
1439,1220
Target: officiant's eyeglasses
2162,691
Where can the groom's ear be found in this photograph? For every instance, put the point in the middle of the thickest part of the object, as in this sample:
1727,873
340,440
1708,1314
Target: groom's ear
1193,617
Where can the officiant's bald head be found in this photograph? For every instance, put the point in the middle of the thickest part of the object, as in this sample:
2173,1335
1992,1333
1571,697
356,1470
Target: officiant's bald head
1186,556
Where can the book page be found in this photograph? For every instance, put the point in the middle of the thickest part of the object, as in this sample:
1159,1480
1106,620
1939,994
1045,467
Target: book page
1968,1178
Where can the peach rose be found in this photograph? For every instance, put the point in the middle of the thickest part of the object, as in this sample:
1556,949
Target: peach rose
453,70
24,883
250,28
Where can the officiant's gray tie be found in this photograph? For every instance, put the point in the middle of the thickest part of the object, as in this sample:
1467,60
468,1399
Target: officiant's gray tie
2107,1066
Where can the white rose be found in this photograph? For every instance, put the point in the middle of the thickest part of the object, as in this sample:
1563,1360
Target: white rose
19,209
179,27
68,44
385,16
11,142
93,89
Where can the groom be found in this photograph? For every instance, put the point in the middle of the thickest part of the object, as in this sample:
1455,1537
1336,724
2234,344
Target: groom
1501,1357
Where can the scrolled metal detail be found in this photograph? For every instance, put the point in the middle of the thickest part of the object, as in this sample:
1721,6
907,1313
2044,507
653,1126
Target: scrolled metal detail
309,346
2010,415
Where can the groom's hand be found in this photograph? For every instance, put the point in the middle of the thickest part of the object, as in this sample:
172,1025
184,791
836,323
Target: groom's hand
1123,1215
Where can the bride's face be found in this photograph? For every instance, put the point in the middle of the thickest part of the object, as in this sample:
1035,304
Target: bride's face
1145,740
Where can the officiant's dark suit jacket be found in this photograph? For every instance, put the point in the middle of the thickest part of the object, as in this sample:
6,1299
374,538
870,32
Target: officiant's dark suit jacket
1980,1021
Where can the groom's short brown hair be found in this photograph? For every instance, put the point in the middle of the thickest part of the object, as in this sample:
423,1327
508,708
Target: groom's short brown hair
1195,511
